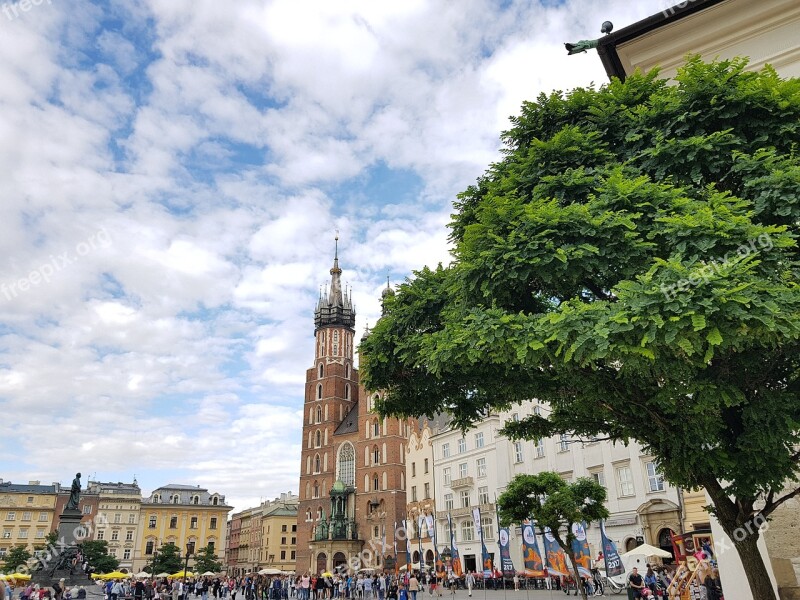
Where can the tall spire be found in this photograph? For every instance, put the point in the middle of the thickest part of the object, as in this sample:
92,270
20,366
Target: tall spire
335,297
335,307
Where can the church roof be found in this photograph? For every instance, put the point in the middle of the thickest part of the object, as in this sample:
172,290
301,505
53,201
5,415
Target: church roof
335,307
350,422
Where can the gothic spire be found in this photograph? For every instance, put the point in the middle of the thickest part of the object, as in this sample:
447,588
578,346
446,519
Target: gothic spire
335,298
335,307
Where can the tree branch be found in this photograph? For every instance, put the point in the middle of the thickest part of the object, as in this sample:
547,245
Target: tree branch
769,509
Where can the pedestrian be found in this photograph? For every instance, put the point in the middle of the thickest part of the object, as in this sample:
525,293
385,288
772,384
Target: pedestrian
413,586
470,580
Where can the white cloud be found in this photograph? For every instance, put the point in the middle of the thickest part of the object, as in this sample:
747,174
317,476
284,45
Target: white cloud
219,146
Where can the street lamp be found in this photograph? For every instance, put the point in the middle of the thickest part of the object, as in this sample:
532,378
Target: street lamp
189,552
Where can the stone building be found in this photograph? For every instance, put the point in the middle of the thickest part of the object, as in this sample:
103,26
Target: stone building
421,493
182,515
118,514
27,512
352,471
279,533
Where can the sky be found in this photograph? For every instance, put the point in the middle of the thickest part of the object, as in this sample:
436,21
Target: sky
172,176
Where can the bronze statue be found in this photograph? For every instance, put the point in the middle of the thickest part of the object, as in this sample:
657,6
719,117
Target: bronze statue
581,46
74,494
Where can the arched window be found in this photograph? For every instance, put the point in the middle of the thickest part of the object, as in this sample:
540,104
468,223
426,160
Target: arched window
376,428
376,455
308,515
319,414
336,342
316,464
215,501
376,482
195,499
156,498
346,464
175,499
319,513
347,371
347,391
319,392
318,440
316,490
321,370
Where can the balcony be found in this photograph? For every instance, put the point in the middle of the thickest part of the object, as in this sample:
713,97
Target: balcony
463,482
338,530
486,509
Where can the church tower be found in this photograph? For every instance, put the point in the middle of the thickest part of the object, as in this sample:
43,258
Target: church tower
352,472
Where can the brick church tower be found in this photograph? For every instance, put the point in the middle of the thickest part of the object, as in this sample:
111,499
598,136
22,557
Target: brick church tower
352,472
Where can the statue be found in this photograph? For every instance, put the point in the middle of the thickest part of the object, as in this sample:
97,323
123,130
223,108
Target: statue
74,493
581,46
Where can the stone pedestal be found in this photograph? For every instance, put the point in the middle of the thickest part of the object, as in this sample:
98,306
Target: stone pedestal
58,558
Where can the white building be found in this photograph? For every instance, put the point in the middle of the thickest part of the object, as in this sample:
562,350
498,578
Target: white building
119,506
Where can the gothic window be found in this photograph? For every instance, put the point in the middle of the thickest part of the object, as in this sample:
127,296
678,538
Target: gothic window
347,391
346,464
321,370
319,414
376,428
319,392
318,441
316,464
336,343
347,371
316,490
375,483
376,456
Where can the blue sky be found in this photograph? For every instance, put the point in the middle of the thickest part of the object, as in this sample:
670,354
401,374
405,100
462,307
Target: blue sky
173,173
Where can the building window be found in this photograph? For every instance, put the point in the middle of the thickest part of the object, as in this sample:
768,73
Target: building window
6,535
11,516
467,531
148,548
39,534
283,554
193,523
26,516
655,478
483,495
376,456
212,523
465,499
114,535
462,445
376,428
480,467
152,522
318,439
347,375
445,450
117,518
540,448
283,541
292,555
129,535
427,491
515,417
23,534
413,469
599,478
563,443
101,534
625,478
426,465
347,391
321,370
294,540
537,410
126,554
446,475
294,528
319,392
317,464
518,457
487,524
210,546
316,490
375,483
131,519
173,522
448,501
347,464
462,470
336,343
43,516
479,439
413,493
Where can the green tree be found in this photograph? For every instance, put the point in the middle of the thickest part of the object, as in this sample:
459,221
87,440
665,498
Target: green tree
96,554
167,559
555,504
631,261
206,560
15,558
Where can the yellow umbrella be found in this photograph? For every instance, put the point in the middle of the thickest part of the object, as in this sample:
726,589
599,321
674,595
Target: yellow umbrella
183,574
115,575
22,576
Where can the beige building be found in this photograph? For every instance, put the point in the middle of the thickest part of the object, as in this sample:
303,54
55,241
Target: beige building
420,501
180,514
247,558
278,519
27,513
119,506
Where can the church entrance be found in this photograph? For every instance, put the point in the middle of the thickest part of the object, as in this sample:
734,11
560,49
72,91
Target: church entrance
339,559
322,563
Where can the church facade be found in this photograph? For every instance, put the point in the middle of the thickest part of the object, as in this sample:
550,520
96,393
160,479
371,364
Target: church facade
352,472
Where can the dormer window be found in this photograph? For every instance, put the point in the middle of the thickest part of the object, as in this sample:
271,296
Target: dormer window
156,498
175,499
214,501
195,499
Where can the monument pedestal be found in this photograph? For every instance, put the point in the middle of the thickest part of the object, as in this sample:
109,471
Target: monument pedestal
58,560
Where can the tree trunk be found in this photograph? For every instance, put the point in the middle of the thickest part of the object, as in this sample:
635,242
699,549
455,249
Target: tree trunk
744,534
578,580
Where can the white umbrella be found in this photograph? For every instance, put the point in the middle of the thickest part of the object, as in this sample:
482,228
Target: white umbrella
207,574
142,575
269,572
647,550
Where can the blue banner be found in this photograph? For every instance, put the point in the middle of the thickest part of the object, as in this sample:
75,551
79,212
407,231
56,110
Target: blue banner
554,555
534,567
580,548
488,568
611,556
506,564
455,561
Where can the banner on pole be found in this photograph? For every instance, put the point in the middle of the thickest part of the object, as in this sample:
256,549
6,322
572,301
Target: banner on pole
580,548
488,568
534,566
506,564
614,566
554,554
455,560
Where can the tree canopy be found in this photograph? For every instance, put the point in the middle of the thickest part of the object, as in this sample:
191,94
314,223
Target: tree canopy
206,560
553,504
166,559
96,554
15,558
632,261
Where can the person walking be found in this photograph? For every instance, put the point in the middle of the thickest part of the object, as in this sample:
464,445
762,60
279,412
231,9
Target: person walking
470,581
413,586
